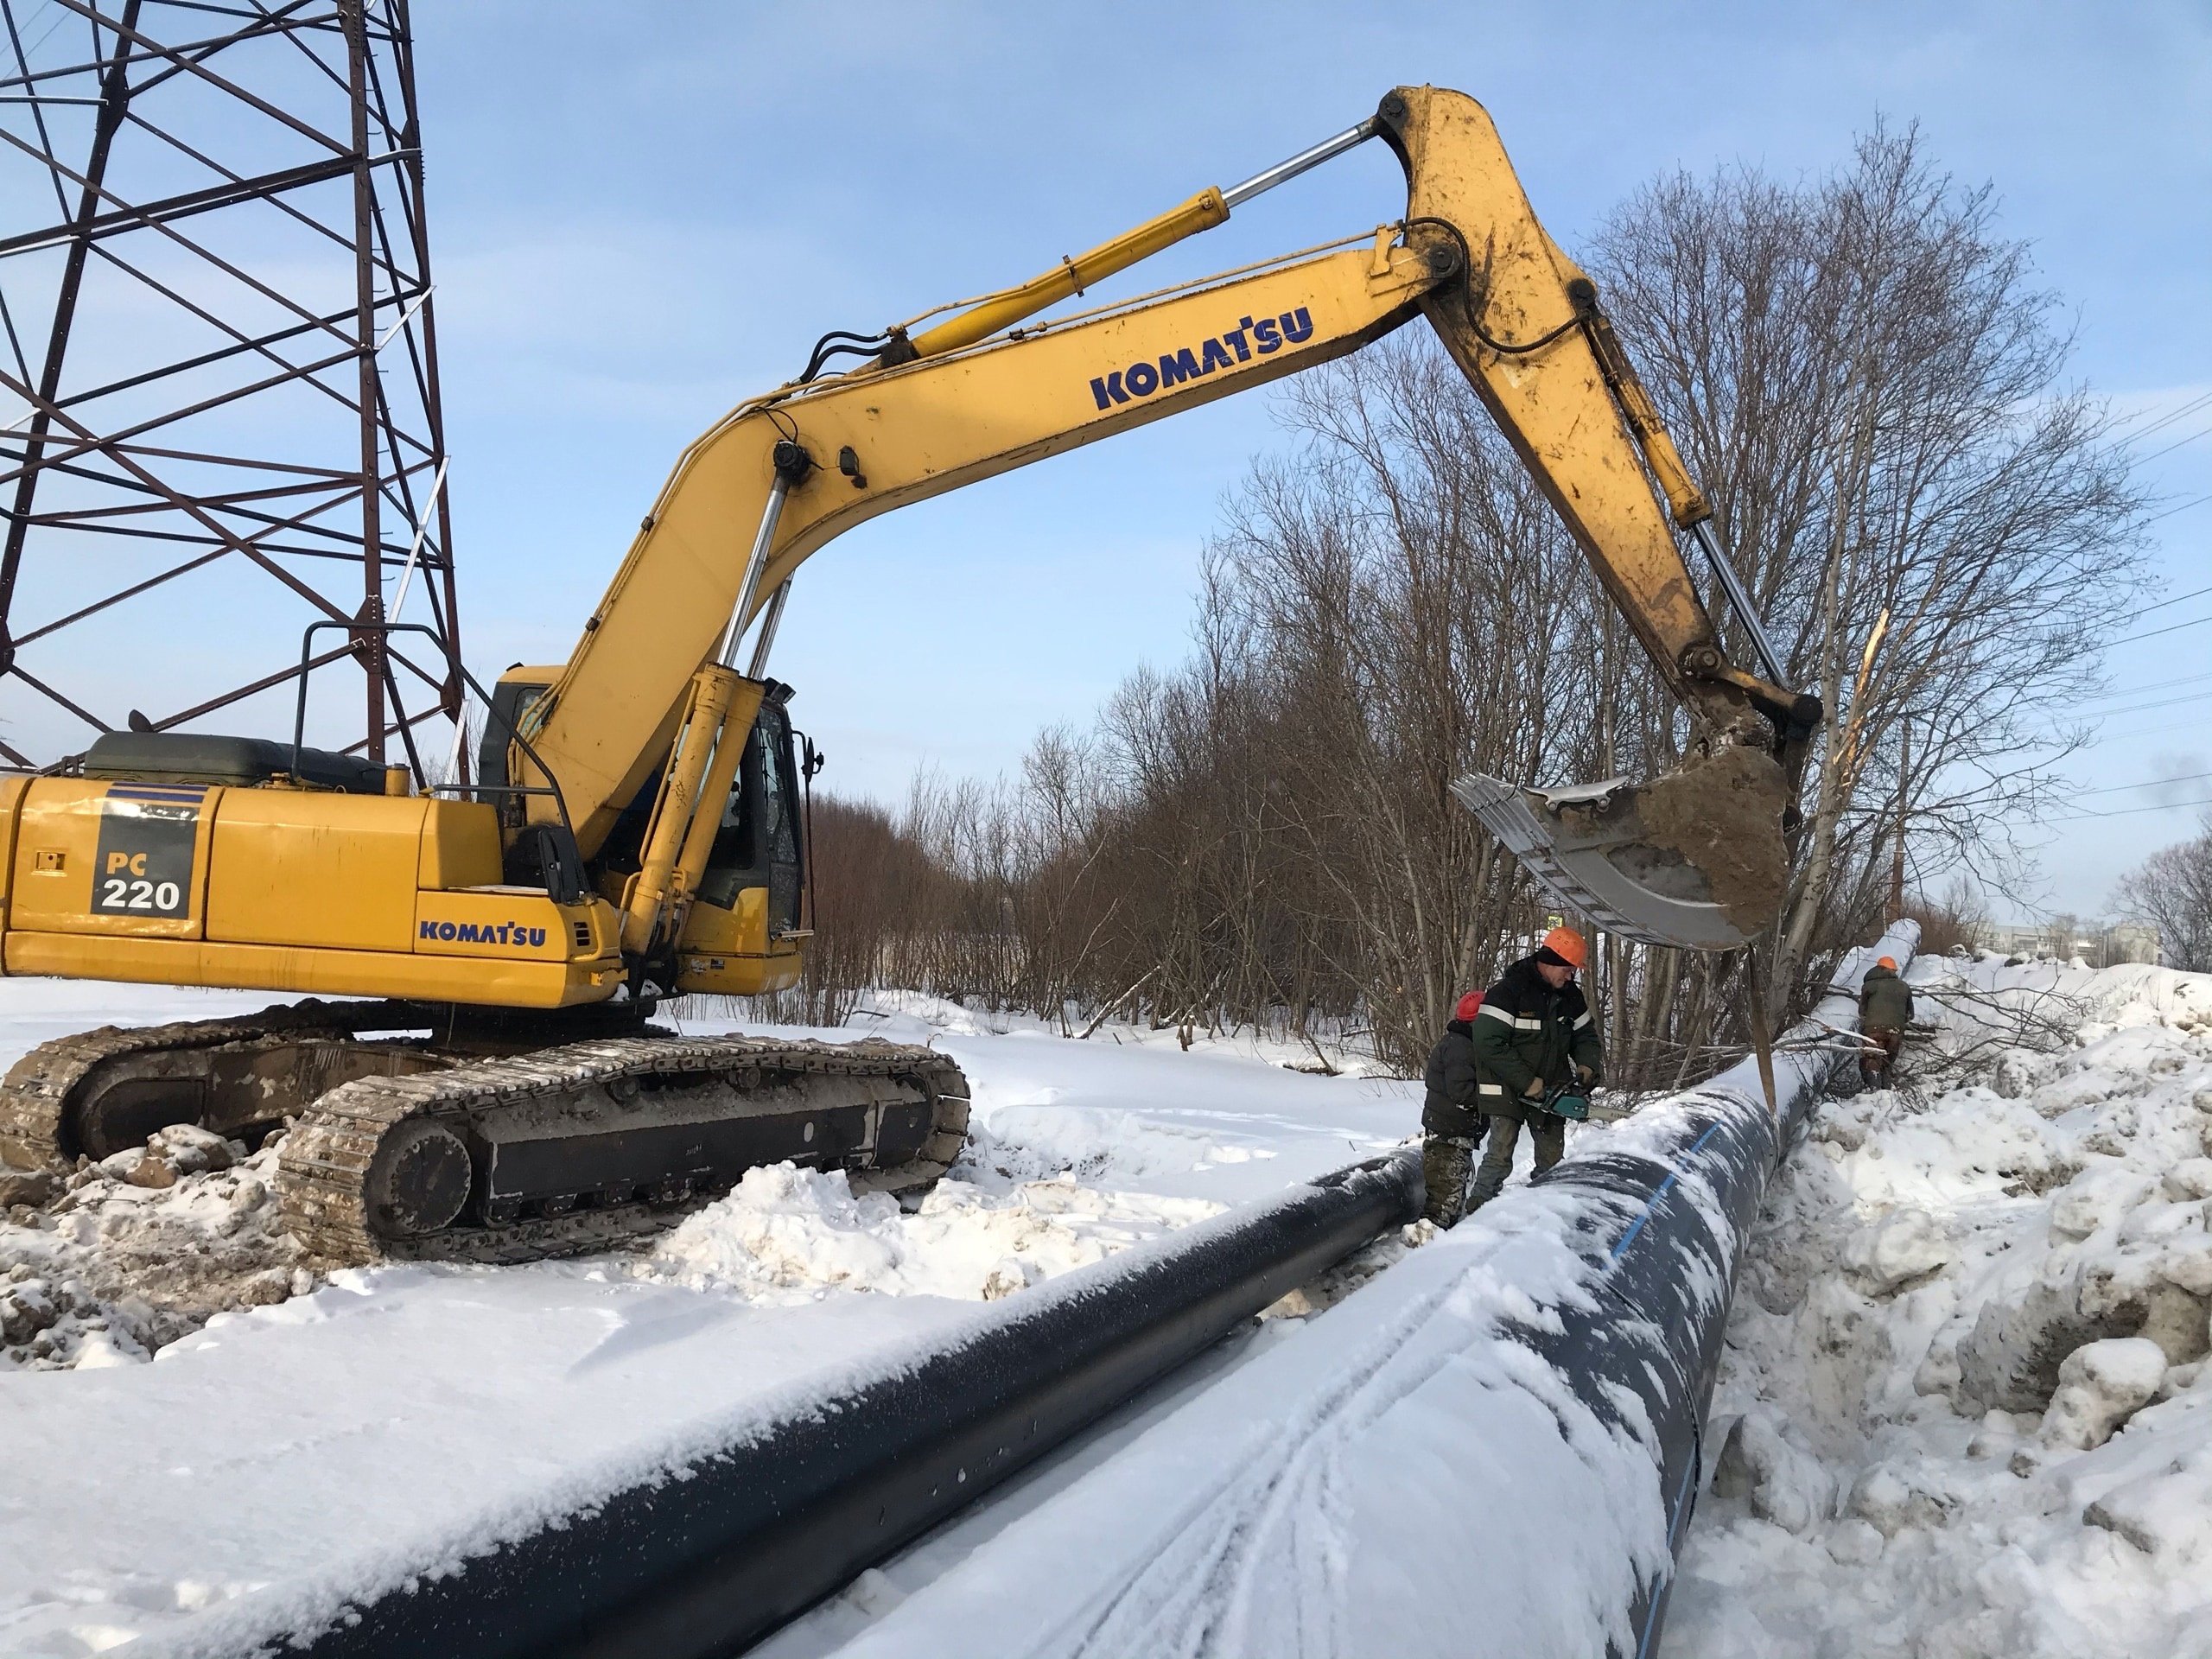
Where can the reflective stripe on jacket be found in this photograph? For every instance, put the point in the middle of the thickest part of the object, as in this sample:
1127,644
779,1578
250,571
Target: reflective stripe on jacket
1526,1030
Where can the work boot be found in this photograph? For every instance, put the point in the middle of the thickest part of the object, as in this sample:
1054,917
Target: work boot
1489,1181
1444,1161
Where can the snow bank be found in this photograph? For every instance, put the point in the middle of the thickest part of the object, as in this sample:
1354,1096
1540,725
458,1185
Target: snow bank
1965,1405
1408,1475
786,1234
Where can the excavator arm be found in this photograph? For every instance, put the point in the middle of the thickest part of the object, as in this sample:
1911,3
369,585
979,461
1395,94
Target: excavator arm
651,706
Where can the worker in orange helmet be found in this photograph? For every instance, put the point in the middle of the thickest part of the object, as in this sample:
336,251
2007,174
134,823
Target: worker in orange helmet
1884,1010
1534,1033
1450,1115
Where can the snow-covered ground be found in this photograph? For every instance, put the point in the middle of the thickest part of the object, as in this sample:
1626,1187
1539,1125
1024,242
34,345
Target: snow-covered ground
199,1436
1965,1411
1964,1408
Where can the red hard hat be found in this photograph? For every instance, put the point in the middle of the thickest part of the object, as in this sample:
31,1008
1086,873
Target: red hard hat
1568,945
1890,963
1470,1005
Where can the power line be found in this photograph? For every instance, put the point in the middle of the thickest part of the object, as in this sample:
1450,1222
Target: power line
2145,691
2173,414
2153,634
2146,707
2195,593
2129,811
2155,783
2194,501
2175,445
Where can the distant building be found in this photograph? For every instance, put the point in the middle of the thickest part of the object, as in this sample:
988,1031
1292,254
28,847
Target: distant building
2101,947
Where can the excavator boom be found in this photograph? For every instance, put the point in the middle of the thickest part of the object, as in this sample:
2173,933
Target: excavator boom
1700,865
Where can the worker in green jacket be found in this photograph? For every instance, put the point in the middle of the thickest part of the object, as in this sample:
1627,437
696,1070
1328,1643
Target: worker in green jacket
1533,1033
1884,1010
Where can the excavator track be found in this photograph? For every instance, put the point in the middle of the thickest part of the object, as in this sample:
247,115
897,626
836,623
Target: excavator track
38,1092
367,1163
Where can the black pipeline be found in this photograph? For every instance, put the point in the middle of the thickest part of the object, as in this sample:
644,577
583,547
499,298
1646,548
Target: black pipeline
757,1532
1662,1277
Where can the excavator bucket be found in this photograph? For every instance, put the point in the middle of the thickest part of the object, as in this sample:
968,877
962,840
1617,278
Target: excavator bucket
1694,858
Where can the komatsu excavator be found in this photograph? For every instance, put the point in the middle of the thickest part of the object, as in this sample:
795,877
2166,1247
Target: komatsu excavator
634,830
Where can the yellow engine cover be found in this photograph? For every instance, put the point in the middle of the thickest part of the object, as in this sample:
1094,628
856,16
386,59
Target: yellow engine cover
728,953
285,890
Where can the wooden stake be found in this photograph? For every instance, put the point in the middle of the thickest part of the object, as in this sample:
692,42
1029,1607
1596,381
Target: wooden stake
1762,1040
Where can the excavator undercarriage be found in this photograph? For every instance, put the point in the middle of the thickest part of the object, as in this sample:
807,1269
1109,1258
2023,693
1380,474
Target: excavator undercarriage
406,1133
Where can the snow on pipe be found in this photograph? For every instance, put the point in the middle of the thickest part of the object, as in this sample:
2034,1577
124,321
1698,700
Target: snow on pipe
1653,1332
707,1558
1492,1449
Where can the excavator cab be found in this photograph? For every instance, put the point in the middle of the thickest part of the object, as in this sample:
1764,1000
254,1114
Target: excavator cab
762,835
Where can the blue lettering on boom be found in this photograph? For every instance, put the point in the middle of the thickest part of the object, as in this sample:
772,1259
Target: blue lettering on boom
1265,335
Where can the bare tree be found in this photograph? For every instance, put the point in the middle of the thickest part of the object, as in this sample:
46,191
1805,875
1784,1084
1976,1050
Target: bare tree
1939,528
2171,890
1935,524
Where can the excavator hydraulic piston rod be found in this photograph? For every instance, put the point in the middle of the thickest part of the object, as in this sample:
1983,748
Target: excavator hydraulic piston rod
764,641
1283,172
756,561
1746,613
1078,272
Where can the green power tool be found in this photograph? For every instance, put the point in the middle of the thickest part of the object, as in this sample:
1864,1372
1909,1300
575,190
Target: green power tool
1567,1100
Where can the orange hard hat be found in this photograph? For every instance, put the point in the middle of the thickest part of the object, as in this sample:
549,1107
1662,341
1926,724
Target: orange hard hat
1568,946
1470,1005
1890,963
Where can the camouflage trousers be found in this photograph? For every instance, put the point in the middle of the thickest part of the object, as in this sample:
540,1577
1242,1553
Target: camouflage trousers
1446,1162
1874,1068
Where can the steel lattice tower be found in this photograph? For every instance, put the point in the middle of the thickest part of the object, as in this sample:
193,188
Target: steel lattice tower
218,388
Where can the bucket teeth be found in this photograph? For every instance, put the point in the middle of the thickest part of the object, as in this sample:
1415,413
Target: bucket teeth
1601,865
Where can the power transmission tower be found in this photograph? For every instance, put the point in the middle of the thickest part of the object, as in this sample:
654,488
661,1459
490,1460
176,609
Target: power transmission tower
219,418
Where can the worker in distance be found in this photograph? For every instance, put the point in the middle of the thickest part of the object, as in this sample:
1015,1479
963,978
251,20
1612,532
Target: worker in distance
1537,1054
1884,1010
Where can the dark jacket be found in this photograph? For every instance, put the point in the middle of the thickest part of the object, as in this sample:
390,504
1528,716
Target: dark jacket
1526,1030
1451,1106
1884,1000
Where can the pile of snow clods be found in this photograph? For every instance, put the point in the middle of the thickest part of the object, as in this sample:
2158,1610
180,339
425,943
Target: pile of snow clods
120,1258
1966,1408
787,1235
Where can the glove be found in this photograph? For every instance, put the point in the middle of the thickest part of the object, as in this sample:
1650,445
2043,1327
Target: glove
1534,1090
1585,1076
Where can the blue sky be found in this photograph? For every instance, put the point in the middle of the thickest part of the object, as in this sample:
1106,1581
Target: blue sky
643,213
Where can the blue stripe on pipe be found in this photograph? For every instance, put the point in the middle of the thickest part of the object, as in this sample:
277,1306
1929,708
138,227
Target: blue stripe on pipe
1673,1540
1629,1237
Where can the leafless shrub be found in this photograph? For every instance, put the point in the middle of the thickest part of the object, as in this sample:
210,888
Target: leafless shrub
1956,921
2172,891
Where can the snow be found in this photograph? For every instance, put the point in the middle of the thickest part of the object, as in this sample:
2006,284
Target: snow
295,1440
786,1234
1964,1408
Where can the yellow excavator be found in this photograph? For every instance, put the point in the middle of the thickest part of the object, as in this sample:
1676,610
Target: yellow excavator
634,831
